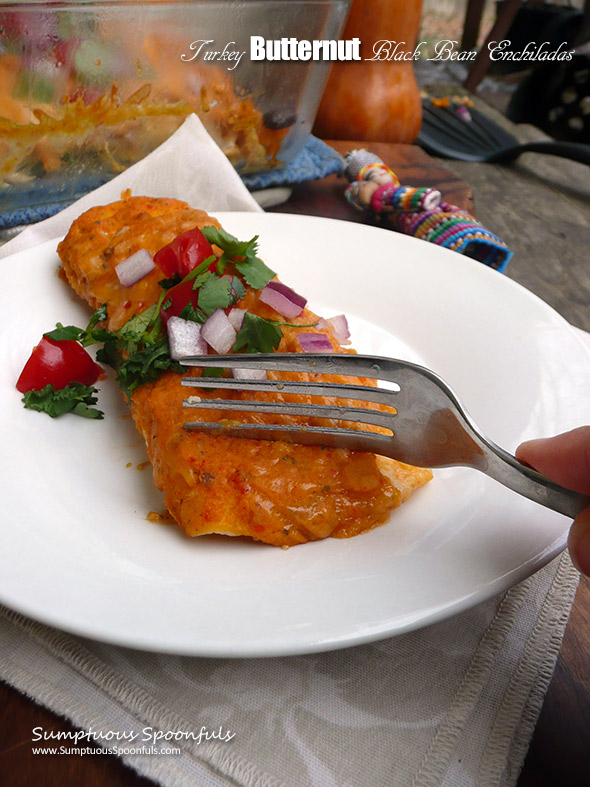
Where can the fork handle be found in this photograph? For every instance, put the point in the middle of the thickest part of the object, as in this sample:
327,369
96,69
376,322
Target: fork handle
506,469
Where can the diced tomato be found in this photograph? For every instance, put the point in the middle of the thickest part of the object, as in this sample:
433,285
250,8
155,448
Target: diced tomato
178,297
58,363
184,253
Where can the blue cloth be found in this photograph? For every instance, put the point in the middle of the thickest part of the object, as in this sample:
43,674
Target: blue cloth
316,160
30,215
45,197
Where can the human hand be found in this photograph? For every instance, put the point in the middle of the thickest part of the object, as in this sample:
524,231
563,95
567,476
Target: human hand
565,459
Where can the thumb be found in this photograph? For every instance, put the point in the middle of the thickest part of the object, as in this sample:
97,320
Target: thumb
579,542
564,458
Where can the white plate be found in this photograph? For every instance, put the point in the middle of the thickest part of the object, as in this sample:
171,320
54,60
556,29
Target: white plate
77,550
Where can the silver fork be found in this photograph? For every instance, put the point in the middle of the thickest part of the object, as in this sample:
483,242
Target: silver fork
432,428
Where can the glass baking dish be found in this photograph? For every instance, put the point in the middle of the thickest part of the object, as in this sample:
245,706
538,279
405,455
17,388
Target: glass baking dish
89,88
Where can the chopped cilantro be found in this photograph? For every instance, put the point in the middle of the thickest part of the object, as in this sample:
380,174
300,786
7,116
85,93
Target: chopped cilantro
201,268
215,293
109,354
145,366
74,398
139,330
258,335
191,313
85,336
256,274
167,284
212,371
100,315
229,244
64,333
140,325
238,289
199,280
296,324
138,351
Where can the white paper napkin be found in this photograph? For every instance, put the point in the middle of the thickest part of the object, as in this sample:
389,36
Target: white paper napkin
454,704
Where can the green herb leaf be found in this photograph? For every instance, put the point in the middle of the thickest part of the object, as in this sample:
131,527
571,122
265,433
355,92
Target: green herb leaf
75,398
257,335
145,366
100,315
139,323
109,353
201,268
256,274
238,289
230,244
167,284
139,330
296,324
191,313
215,293
64,333
212,371
199,280
85,336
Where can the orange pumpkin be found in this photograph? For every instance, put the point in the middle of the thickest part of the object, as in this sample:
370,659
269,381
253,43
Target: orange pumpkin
375,99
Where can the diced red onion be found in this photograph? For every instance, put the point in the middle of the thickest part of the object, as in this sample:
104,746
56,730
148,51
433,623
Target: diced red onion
249,374
315,342
339,324
184,338
283,299
135,267
236,317
218,332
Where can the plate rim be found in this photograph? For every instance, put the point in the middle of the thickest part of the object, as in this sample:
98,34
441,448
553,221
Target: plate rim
318,645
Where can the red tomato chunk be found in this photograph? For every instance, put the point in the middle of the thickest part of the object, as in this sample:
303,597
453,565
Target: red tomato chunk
58,363
176,299
184,253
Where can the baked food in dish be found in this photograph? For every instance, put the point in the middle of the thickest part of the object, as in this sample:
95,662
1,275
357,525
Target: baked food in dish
281,494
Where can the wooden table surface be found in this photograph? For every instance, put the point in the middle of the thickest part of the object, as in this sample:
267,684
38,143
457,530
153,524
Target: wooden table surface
560,750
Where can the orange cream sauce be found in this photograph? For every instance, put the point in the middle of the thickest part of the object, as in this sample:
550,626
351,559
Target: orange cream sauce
280,493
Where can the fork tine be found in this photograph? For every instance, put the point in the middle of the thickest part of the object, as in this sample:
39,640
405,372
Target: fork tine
435,430
371,366
351,439
360,393
334,412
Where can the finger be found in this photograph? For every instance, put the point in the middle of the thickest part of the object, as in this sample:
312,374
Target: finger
564,458
579,542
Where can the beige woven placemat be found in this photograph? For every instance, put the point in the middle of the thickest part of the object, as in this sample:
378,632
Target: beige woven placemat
454,704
